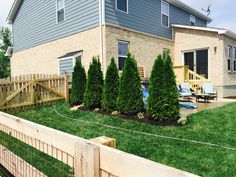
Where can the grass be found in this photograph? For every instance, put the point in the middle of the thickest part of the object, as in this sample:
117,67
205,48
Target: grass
44,163
216,126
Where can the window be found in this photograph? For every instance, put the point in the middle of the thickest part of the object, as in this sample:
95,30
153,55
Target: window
123,48
60,11
165,53
164,14
122,5
234,58
229,57
192,20
68,61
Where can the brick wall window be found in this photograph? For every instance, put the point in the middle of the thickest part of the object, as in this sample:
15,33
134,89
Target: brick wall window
123,48
229,57
166,52
234,58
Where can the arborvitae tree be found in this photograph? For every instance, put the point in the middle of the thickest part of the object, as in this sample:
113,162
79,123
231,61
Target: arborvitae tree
156,99
94,86
111,87
5,42
130,99
171,91
78,84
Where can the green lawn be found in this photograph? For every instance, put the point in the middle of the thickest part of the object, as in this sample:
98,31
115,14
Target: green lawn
216,126
44,163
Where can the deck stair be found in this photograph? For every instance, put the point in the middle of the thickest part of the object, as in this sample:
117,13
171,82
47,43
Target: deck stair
184,74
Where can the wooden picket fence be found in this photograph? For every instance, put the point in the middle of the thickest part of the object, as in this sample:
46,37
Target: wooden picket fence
32,90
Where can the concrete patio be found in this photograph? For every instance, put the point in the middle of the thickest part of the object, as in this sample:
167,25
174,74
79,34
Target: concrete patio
205,106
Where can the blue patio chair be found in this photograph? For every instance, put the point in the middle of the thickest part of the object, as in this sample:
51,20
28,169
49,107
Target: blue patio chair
207,88
184,90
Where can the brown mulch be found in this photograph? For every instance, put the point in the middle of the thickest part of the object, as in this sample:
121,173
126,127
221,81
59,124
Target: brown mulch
146,119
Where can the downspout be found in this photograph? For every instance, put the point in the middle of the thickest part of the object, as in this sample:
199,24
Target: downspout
101,22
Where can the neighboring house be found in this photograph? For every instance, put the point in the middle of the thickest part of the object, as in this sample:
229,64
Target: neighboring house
50,35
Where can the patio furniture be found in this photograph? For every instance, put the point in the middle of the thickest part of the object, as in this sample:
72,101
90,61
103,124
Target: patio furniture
205,97
207,88
184,90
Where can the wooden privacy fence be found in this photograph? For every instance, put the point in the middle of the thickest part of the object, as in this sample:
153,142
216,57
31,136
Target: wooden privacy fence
31,90
87,158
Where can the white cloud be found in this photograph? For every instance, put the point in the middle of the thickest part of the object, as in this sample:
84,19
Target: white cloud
5,6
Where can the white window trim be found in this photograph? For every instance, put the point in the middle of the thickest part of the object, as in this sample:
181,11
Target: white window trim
229,57
59,10
122,56
168,15
192,19
234,69
71,57
125,42
122,10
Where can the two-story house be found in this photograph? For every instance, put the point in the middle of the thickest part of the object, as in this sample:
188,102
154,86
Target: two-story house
49,36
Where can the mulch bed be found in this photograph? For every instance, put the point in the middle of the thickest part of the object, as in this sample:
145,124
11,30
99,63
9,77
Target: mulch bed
146,119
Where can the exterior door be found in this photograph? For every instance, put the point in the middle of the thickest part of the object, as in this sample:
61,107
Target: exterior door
189,60
197,61
202,62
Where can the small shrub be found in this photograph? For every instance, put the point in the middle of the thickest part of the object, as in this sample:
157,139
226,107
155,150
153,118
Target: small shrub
130,99
156,99
111,87
96,110
183,121
94,86
78,84
140,116
115,113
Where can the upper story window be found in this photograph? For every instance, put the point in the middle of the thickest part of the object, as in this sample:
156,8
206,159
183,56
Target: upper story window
60,10
123,49
164,14
229,57
122,5
192,20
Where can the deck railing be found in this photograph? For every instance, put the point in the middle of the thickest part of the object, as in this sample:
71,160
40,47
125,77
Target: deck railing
184,74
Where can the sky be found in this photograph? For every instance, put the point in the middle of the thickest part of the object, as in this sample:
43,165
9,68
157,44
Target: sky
223,12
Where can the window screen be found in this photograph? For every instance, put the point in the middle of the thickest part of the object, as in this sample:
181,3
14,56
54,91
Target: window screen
165,13
123,48
66,66
122,5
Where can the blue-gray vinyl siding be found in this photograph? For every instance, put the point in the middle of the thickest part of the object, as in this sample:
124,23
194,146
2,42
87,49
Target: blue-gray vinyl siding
35,22
145,16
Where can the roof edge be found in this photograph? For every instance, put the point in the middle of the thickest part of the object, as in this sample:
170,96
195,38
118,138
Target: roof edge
225,32
190,9
13,11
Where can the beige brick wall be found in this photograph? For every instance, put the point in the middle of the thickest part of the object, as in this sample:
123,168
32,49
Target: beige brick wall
43,59
229,77
187,40
144,47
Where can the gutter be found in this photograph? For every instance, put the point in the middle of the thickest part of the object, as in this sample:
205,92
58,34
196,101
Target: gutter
13,11
101,23
9,51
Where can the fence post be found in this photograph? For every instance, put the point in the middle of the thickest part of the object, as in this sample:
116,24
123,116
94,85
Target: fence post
66,88
33,93
86,160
